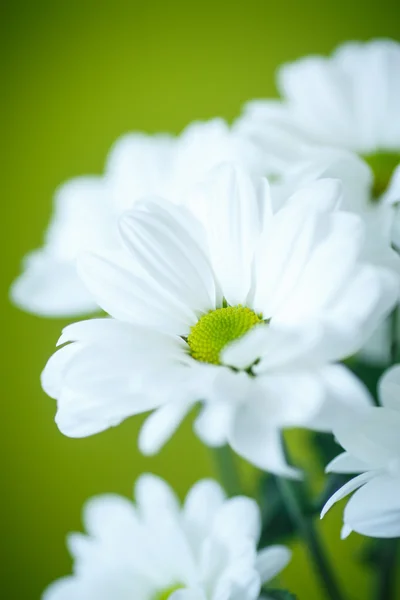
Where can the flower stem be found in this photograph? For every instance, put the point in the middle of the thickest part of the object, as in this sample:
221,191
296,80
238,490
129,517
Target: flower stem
386,588
227,470
308,532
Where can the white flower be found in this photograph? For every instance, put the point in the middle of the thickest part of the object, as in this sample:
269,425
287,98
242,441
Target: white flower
247,313
372,444
349,101
86,209
158,550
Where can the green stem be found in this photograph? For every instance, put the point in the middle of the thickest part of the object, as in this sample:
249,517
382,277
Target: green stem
308,532
386,588
227,470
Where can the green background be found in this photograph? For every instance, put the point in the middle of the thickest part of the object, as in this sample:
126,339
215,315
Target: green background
76,75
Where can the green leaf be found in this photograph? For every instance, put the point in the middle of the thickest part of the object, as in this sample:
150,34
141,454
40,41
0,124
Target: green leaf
279,595
277,524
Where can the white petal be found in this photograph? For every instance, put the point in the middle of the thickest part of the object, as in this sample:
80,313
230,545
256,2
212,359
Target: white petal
153,495
81,415
274,347
281,255
271,561
345,396
346,463
238,518
169,254
51,287
323,195
260,446
52,378
373,437
161,425
331,264
107,515
120,365
238,582
345,532
138,165
202,502
389,388
214,422
319,99
346,489
233,223
362,305
281,399
65,589
133,298
188,595
374,510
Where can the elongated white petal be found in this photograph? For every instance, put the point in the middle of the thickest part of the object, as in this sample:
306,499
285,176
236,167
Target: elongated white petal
261,446
201,506
134,299
153,494
170,256
232,221
389,388
322,195
51,287
104,515
375,437
52,378
345,398
238,514
347,489
161,425
272,561
214,422
346,463
282,253
374,510
331,263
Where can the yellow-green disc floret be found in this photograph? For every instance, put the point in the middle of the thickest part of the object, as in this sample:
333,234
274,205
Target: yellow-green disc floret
382,164
218,328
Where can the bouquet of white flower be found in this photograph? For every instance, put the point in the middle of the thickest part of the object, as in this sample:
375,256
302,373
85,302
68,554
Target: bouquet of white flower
246,270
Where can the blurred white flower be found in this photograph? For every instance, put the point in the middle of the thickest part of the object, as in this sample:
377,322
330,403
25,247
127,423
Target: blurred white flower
158,550
346,102
372,448
86,209
242,308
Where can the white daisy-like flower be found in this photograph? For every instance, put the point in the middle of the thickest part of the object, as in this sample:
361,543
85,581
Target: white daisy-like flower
350,102
244,309
372,448
86,209
158,550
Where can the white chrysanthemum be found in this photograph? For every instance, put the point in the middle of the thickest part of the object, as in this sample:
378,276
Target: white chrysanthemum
372,448
349,101
248,315
86,209
158,550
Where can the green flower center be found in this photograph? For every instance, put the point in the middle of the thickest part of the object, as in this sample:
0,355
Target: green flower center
218,328
164,595
382,164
